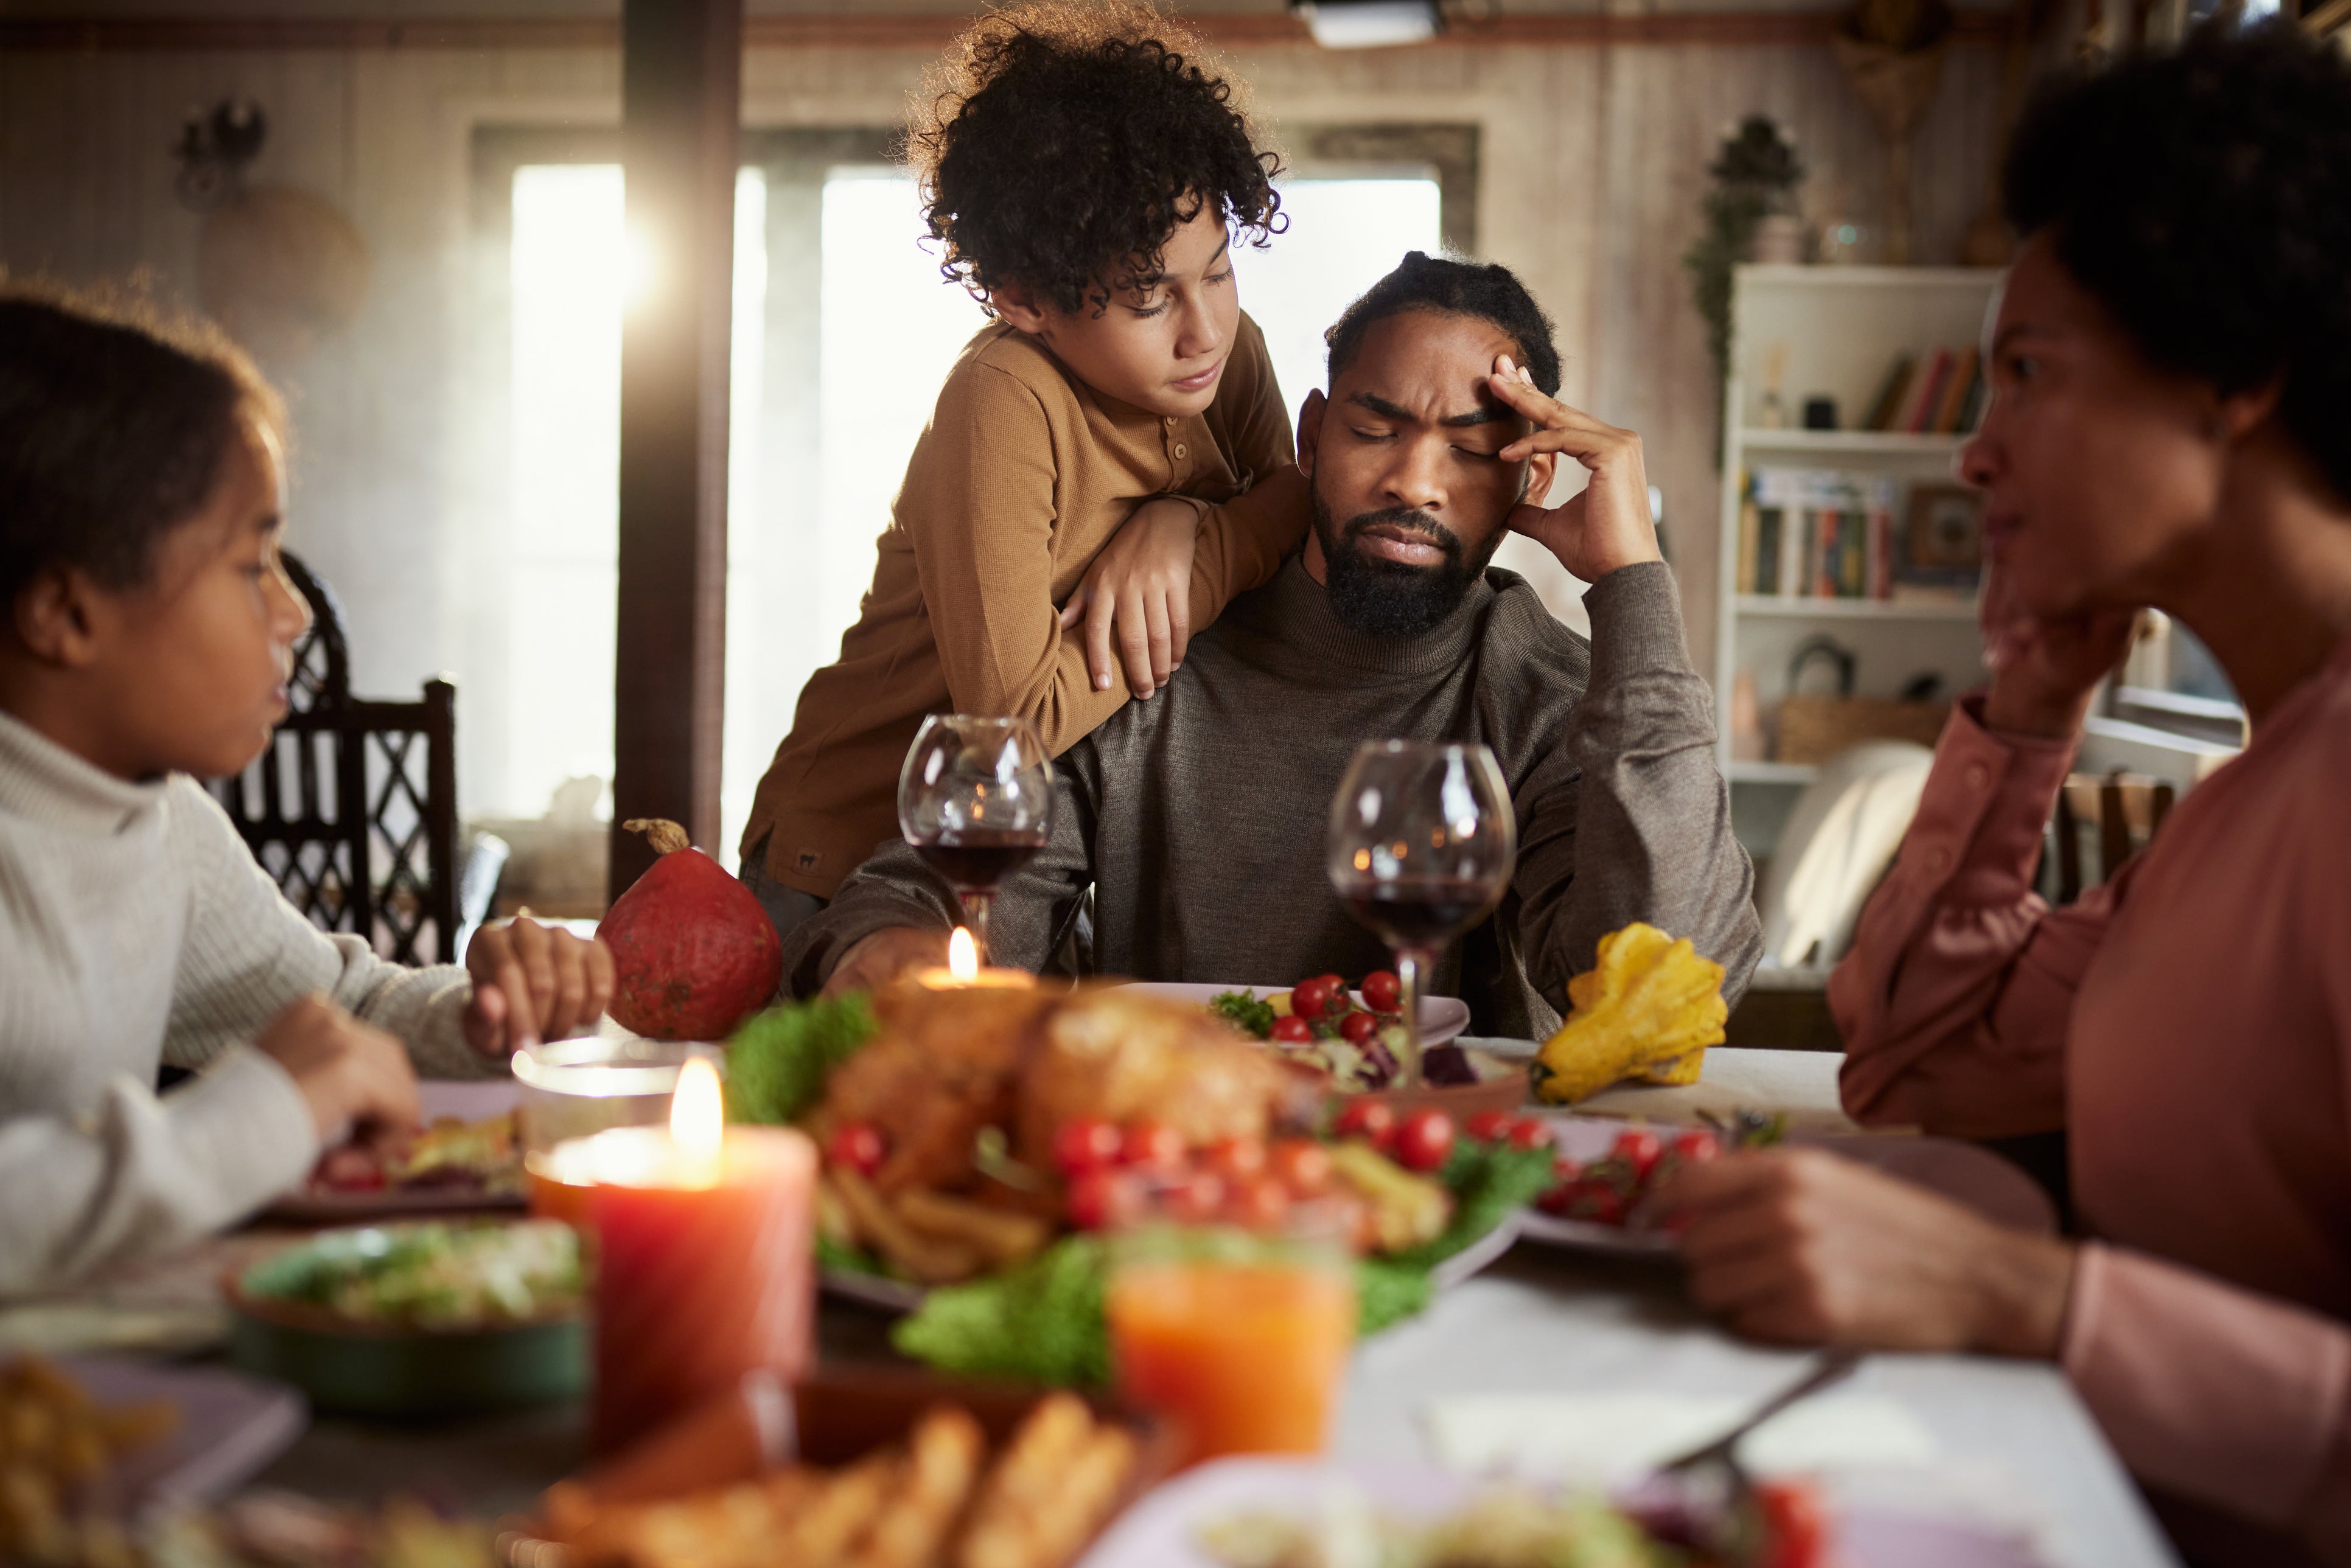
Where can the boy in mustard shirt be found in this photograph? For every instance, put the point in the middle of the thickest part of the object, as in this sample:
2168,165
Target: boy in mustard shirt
1085,174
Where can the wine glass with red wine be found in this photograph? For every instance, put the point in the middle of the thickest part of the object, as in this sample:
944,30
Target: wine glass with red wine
975,801
1422,842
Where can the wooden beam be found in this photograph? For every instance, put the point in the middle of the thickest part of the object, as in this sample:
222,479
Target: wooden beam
927,33
681,101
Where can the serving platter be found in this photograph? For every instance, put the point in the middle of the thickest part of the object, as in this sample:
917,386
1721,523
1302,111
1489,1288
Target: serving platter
1441,1018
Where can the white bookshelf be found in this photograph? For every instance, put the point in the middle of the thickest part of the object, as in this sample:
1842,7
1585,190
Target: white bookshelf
1841,327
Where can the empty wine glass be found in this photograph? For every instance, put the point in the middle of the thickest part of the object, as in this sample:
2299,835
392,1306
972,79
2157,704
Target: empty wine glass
1422,844
975,801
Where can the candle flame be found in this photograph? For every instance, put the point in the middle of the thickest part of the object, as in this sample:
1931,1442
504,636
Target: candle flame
697,1115
962,957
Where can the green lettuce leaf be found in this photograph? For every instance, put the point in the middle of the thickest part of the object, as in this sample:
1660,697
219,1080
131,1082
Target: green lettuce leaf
1043,1321
777,1063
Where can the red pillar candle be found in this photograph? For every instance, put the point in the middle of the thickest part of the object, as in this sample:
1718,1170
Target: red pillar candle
705,1240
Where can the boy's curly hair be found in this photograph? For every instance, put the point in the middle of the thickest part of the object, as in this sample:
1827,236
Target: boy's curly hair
2203,194
1058,145
116,420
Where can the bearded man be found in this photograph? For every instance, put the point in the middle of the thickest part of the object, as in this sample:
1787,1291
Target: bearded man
1197,819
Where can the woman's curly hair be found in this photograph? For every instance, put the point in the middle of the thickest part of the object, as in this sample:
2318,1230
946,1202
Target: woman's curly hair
1058,146
2203,194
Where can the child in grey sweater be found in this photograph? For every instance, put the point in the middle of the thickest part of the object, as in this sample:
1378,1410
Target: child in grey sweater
146,634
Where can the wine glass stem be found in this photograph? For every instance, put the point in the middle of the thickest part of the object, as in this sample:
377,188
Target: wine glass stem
1412,965
975,919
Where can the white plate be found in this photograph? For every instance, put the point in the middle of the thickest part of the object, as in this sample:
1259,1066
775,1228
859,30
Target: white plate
1960,1171
1441,1018
1163,1530
230,1427
468,1099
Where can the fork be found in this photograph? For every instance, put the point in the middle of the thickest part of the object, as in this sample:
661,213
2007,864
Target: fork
1833,1367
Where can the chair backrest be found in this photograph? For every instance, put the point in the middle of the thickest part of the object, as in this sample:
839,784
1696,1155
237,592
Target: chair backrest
1838,839
2117,813
354,808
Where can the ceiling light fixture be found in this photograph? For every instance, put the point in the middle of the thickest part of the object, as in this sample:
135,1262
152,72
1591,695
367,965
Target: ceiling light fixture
1369,24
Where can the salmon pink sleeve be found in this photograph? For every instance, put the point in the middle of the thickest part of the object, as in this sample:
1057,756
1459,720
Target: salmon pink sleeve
2215,1393
1955,999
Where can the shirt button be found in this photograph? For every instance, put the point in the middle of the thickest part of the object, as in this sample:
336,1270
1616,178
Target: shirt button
1170,421
1978,776
1181,450
1938,861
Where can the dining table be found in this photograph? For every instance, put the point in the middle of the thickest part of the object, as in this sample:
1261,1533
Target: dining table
1545,1339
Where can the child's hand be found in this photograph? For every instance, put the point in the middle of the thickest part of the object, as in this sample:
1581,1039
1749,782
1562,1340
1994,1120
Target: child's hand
534,982
1141,584
350,1073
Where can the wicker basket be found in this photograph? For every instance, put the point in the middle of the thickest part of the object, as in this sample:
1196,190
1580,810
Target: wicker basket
1815,728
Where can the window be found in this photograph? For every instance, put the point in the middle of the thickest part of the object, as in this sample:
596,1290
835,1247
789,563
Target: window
844,331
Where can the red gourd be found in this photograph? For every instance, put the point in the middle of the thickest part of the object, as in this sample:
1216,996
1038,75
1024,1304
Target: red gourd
693,954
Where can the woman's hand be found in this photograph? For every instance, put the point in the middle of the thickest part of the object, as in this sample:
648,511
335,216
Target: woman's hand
1798,1247
2044,671
533,982
876,962
1605,527
1141,586
351,1075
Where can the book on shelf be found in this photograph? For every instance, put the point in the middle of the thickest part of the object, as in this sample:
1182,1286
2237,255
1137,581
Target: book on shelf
1888,400
1812,533
1941,393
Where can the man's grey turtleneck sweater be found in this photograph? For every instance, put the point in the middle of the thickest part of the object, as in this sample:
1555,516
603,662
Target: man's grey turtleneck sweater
1199,816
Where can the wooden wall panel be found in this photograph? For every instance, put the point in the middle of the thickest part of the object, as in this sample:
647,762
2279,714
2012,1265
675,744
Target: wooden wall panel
1593,162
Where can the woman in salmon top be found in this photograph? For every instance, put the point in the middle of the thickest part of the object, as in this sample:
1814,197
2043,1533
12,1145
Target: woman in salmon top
2172,427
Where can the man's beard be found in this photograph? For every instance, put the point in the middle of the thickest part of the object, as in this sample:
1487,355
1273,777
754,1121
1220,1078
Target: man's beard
1388,599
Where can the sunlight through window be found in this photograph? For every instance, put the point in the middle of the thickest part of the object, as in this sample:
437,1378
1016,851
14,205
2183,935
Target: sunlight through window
570,271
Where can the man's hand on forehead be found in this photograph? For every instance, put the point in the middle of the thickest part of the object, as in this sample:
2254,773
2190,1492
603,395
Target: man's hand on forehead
1607,526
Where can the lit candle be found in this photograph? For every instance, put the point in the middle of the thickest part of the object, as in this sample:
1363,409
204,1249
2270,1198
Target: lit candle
704,1237
963,970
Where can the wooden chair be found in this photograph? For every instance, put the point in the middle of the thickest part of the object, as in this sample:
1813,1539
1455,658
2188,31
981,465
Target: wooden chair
2120,811
354,808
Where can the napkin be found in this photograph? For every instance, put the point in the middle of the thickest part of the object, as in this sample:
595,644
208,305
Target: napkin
1606,1439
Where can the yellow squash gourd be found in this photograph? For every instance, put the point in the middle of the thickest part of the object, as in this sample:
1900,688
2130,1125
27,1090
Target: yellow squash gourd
1647,1008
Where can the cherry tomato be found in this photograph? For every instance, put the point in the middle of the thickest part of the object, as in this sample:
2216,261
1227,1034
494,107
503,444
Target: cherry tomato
1383,992
1529,1132
1795,1530
1259,1205
1488,1126
1197,1198
1154,1145
857,1146
350,1169
1238,1159
1309,999
1639,1148
1357,1028
1597,1202
1293,1030
1086,1144
1105,1200
1424,1139
1695,1146
1368,1120
1300,1164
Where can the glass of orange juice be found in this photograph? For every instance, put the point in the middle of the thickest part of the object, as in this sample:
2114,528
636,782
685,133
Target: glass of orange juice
1242,1340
